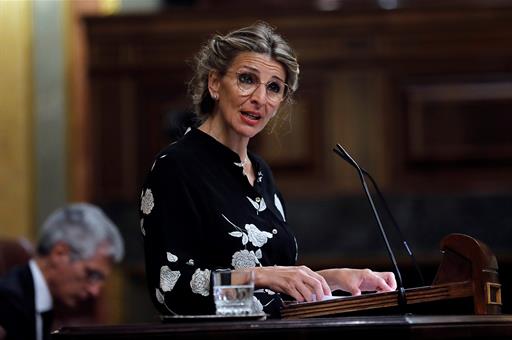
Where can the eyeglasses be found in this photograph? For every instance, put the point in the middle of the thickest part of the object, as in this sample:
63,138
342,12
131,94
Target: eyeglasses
94,276
248,82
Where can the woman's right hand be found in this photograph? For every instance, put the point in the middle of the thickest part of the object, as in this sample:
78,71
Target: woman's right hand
299,282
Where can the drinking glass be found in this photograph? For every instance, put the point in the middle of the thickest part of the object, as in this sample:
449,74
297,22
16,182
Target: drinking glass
233,291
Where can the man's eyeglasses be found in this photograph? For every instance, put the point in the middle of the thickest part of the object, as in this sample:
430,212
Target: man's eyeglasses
248,82
94,276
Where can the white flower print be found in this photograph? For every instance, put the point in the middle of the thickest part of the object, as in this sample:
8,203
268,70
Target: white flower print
200,282
168,278
244,236
142,230
160,298
171,257
259,204
257,307
244,259
238,233
279,206
265,290
159,295
190,262
147,203
257,237
260,176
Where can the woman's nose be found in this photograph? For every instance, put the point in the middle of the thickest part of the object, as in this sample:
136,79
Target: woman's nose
260,94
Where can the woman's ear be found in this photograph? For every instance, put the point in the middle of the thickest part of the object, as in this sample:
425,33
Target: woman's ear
214,84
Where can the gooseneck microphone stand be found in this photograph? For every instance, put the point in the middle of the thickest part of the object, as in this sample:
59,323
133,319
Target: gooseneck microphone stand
397,228
402,300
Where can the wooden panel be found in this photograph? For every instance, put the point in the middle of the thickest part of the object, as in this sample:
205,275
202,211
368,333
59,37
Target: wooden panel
421,327
460,122
161,100
114,138
138,66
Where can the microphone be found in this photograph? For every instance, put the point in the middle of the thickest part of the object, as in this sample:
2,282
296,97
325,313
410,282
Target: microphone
402,300
397,228
388,211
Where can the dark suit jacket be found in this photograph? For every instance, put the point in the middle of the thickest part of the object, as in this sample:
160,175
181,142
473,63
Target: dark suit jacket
17,304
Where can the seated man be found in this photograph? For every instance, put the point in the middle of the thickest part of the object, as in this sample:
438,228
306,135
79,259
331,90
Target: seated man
77,247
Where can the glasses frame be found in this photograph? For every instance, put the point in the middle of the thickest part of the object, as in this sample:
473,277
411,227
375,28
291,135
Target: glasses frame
94,276
243,92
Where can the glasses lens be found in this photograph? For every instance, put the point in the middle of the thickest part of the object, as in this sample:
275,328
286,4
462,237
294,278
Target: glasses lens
248,82
276,90
94,276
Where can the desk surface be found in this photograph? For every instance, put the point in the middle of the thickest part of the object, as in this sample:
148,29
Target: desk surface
397,326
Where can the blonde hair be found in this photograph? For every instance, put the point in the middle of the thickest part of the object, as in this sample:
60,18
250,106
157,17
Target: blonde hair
220,51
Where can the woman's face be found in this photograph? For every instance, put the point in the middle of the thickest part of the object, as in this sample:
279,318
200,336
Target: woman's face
249,94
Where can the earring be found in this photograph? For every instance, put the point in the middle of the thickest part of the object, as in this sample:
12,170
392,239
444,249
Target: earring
215,97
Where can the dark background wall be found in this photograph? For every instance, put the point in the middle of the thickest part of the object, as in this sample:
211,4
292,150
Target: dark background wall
419,93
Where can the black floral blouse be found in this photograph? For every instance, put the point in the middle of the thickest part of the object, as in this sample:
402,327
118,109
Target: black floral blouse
199,213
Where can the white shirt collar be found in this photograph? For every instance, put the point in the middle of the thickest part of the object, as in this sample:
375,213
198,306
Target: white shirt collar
44,301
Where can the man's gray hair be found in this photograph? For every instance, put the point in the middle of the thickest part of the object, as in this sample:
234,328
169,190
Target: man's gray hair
84,227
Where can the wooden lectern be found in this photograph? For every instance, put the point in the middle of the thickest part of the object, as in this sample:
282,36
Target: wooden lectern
468,271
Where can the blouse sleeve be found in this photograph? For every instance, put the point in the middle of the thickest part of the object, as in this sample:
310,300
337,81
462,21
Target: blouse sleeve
171,225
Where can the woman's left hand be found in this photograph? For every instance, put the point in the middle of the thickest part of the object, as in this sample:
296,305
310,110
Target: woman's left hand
356,281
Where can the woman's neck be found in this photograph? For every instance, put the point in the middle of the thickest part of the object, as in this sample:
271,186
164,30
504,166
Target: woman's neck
226,136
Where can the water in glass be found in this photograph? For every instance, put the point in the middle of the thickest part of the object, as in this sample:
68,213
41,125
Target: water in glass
233,299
